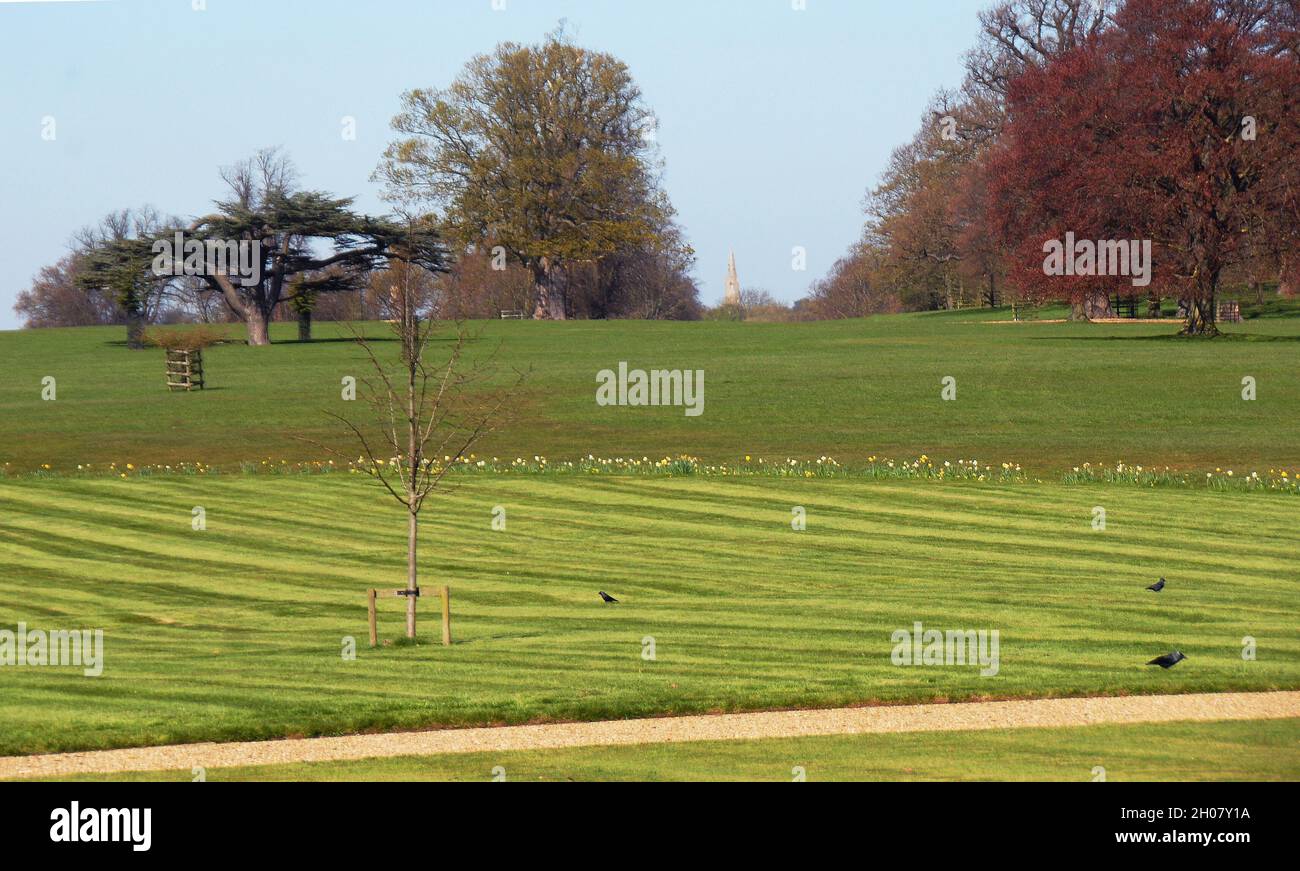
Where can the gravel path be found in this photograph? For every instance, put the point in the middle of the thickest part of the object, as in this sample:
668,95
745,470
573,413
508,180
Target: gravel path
721,727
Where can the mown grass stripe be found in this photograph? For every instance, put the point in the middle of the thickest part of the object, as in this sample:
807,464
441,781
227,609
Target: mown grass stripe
236,631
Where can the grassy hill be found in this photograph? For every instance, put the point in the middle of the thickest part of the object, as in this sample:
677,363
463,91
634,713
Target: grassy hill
1046,395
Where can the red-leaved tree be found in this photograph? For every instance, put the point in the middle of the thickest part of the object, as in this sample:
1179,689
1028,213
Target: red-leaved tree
1178,126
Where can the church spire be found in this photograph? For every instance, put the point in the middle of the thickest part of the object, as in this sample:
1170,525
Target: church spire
731,295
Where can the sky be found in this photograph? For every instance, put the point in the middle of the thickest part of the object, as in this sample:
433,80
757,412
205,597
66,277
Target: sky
773,121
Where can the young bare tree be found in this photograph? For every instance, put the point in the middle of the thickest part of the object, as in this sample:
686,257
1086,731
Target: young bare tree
428,415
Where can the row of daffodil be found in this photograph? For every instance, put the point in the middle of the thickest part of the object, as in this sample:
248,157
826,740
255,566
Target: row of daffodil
1279,480
685,465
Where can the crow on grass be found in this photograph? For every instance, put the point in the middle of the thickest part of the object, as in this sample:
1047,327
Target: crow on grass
609,600
1157,586
1169,660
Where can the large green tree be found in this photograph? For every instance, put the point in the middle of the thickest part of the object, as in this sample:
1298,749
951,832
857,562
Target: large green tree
544,150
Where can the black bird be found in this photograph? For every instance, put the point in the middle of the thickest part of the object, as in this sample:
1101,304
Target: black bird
1169,660
609,600
1157,586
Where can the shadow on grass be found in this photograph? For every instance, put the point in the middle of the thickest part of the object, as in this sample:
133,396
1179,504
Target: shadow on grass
439,337
333,340
1170,337
151,349
505,637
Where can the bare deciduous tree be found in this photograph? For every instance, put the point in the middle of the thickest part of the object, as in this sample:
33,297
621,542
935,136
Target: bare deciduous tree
428,416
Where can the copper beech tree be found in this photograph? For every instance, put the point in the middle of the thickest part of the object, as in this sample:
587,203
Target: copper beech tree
1179,126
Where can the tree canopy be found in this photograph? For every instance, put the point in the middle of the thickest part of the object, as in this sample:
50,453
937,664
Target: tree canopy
1172,122
545,150
286,226
1178,125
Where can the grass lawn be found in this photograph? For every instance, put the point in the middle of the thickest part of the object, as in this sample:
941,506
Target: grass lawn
1049,396
1260,750
235,632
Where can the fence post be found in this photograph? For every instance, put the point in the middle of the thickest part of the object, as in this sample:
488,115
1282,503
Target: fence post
374,629
446,616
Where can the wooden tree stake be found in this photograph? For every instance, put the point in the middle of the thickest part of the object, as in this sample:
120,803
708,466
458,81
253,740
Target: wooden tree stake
446,616
374,628
371,595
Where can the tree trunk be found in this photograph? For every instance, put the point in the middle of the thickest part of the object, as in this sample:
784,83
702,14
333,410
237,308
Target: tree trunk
1284,285
304,325
1097,306
411,351
411,569
1202,307
135,330
1201,317
1153,304
258,327
550,299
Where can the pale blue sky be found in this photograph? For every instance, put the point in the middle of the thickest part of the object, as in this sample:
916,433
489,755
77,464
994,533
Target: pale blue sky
773,122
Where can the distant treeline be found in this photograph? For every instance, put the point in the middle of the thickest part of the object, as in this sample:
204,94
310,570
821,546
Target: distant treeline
531,186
